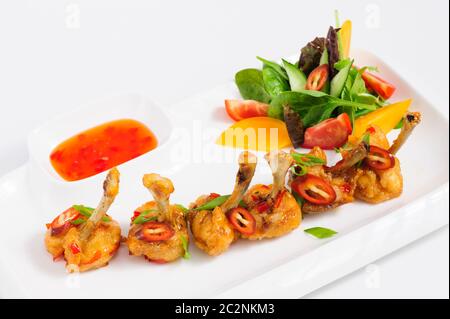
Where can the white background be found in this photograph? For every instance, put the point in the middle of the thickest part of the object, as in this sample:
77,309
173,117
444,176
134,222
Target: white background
56,54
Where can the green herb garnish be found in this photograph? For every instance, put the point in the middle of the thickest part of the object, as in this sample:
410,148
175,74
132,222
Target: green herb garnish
87,212
303,161
84,210
142,219
185,244
218,201
298,198
366,138
399,125
213,203
312,106
182,208
320,232
78,221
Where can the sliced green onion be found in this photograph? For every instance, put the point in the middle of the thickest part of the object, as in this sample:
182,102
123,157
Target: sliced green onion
366,138
214,203
185,244
78,221
218,201
320,232
84,210
303,161
182,208
87,212
307,159
141,219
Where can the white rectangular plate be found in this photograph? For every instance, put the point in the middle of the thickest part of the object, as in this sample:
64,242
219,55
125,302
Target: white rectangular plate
291,266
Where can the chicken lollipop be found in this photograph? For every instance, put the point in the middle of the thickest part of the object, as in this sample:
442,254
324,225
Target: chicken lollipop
86,238
214,219
274,209
321,187
158,230
381,178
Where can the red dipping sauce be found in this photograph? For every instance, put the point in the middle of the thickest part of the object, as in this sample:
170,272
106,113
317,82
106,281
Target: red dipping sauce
101,148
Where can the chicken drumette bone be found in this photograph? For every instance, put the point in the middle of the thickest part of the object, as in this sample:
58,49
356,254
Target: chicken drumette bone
158,230
274,209
87,242
212,231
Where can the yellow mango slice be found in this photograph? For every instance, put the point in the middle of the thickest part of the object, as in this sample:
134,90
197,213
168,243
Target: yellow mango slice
386,118
256,133
346,37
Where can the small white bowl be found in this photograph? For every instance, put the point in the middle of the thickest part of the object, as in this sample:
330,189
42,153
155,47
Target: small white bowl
51,192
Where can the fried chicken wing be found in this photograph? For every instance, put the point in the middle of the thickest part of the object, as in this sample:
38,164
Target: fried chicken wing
86,238
275,210
381,178
158,230
212,231
323,188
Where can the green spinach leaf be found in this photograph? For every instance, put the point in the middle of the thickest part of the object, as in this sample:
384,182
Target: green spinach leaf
251,85
312,106
274,82
278,68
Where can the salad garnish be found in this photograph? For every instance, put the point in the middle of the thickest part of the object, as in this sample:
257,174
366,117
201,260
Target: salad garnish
323,84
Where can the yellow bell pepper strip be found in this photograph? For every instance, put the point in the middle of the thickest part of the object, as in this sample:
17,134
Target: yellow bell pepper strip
346,37
256,133
386,118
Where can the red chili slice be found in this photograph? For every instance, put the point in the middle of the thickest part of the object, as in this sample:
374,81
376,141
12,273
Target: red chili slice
346,188
379,158
242,221
213,196
75,249
62,221
314,189
262,207
279,199
155,231
317,78
135,215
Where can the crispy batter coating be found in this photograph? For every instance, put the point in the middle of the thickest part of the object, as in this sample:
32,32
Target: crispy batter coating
375,186
274,209
102,245
211,230
92,244
161,251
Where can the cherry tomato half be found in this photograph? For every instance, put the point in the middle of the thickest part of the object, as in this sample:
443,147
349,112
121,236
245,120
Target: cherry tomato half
317,78
314,189
380,86
243,109
242,221
379,158
155,231
62,221
329,134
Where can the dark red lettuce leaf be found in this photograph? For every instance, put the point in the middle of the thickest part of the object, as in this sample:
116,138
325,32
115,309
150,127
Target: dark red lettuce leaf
333,50
294,126
311,54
